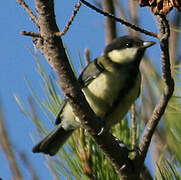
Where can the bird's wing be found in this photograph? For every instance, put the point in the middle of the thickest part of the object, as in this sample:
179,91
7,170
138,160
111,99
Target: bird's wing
90,72
87,75
58,119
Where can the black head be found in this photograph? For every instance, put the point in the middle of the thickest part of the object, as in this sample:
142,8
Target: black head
126,49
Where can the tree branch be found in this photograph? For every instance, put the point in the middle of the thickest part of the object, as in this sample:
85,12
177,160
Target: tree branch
63,32
66,28
29,12
136,28
31,34
168,90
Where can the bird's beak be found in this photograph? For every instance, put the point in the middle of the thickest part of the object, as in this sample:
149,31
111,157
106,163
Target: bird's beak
147,44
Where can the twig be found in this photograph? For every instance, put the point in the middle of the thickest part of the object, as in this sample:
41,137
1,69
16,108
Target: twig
30,13
6,146
77,7
168,90
134,15
136,28
109,23
32,34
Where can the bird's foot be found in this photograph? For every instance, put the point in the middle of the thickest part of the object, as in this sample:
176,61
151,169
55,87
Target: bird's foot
103,126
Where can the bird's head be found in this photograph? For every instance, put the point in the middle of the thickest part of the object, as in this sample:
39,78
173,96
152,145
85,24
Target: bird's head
127,49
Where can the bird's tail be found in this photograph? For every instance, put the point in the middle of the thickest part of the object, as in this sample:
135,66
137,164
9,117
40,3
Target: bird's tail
53,141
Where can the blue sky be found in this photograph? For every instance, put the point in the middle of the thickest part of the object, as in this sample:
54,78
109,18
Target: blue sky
16,61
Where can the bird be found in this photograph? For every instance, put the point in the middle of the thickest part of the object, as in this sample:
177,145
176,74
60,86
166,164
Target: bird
111,83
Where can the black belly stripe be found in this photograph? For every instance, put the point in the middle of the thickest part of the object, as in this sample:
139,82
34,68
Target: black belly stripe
129,84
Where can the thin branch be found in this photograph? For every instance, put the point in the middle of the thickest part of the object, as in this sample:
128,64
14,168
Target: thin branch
77,7
30,13
63,32
168,90
109,23
136,28
134,15
7,148
32,34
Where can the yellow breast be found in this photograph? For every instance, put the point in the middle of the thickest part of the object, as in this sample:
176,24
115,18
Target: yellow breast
101,94
124,105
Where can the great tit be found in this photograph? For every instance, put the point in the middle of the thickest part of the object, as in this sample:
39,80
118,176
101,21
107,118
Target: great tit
110,83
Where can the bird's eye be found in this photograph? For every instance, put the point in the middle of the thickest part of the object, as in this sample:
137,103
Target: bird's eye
128,45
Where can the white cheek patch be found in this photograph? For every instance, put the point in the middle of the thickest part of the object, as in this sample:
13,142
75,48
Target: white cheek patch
122,56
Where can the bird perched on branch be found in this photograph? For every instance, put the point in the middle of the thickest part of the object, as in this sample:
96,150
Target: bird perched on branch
110,83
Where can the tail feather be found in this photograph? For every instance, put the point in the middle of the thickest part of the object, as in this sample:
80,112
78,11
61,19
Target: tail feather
53,141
